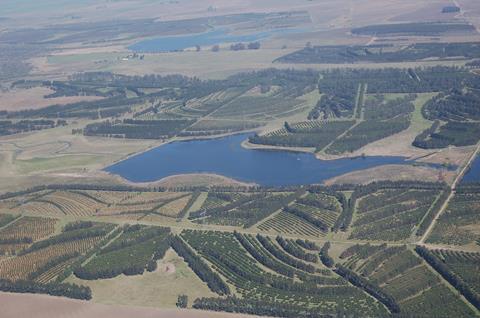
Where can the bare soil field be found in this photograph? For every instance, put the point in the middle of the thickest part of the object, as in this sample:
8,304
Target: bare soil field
393,173
204,64
425,12
201,179
457,156
41,306
33,98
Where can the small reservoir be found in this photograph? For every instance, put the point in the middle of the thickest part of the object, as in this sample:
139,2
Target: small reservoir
225,156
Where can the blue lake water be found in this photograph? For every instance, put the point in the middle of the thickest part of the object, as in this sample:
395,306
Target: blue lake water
473,174
225,156
180,42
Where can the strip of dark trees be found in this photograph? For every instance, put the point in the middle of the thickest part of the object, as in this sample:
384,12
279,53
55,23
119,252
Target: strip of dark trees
368,287
452,133
326,259
256,307
8,127
432,213
137,129
306,244
449,276
182,301
264,260
307,217
274,250
64,290
345,218
69,237
295,251
50,264
213,280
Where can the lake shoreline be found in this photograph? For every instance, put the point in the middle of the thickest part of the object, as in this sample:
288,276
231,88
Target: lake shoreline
232,158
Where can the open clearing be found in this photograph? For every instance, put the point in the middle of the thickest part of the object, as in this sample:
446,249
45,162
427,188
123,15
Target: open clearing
33,98
41,306
157,289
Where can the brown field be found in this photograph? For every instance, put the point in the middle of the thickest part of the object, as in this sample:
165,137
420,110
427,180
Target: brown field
198,180
33,98
209,65
20,267
391,172
331,23
42,306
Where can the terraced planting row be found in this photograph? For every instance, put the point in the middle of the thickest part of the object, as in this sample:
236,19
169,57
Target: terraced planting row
257,107
465,265
266,289
5,219
313,214
135,250
220,126
316,134
257,274
244,210
458,223
35,260
80,203
463,286
27,230
391,215
17,199
286,223
403,275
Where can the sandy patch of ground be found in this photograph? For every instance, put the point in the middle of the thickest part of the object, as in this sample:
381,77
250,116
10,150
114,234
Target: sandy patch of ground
168,268
33,98
194,179
248,145
457,156
393,173
397,145
89,50
42,306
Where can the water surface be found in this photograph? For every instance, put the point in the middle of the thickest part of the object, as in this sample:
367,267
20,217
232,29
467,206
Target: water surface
473,174
225,156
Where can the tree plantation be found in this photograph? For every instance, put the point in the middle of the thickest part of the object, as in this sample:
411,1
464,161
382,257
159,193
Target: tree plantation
273,274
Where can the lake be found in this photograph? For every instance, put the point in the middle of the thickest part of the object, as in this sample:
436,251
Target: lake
225,156
181,42
473,174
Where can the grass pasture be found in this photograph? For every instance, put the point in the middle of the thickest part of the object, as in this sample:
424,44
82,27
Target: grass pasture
160,288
